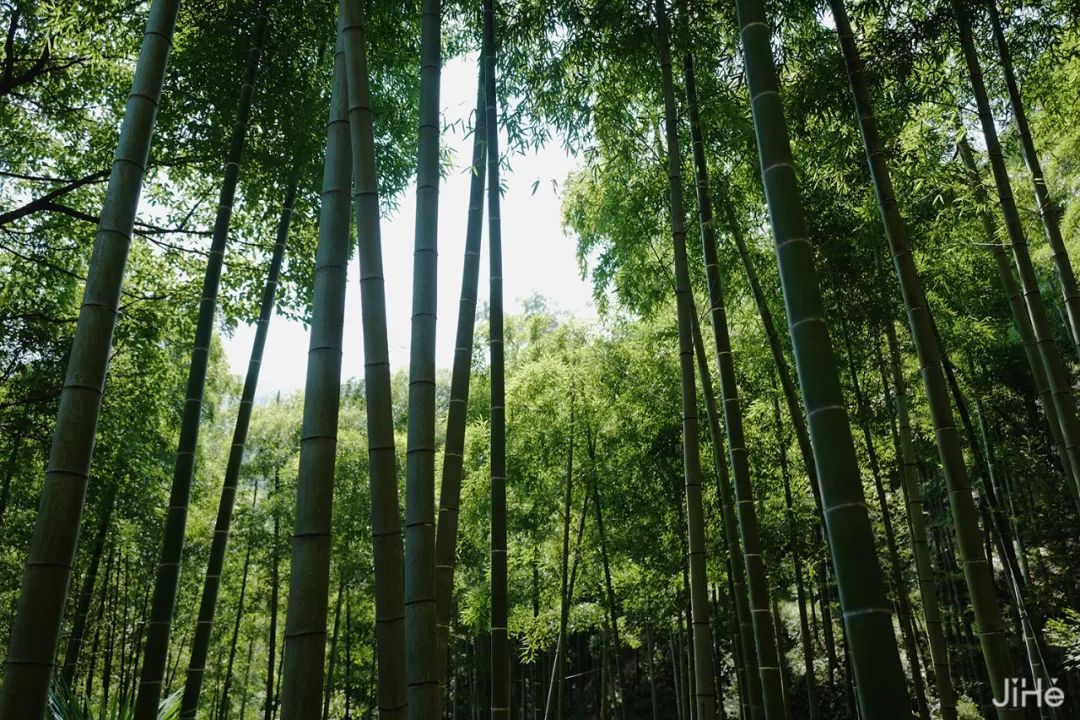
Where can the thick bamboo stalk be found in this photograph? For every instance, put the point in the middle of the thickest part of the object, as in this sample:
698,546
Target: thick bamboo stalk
39,614
382,462
500,640
305,620
1064,401
920,321
867,615
424,695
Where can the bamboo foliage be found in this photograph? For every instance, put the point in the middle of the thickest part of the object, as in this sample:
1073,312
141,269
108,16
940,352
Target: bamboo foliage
382,463
867,616
705,681
1017,308
305,622
39,614
1060,389
1048,211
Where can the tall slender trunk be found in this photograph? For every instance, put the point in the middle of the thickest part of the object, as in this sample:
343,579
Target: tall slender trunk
1048,210
1064,401
200,645
39,614
564,608
798,422
920,321
275,580
226,686
757,585
247,676
9,473
553,708
787,383
86,592
424,695
382,463
867,615
136,644
652,674
747,673
98,622
166,586
277,684
704,683
457,413
348,656
998,532
125,645
110,638
795,550
618,679
903,604
328,692
305,620
500,642
924,569
996,522
1020,316
782,647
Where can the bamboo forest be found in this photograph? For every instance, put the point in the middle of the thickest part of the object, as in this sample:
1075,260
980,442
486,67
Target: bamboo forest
539,359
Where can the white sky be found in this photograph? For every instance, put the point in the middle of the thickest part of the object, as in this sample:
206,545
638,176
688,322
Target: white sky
537,257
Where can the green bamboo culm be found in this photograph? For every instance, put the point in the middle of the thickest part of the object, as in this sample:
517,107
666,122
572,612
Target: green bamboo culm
39,614
163,604
309,580
200,645
705,680
421,665
86,591
500,640
965,517
766,653
746,669
1048,210
798,424
901,601
382,463
924,568
453,452
1056,373
1017,308
866,612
